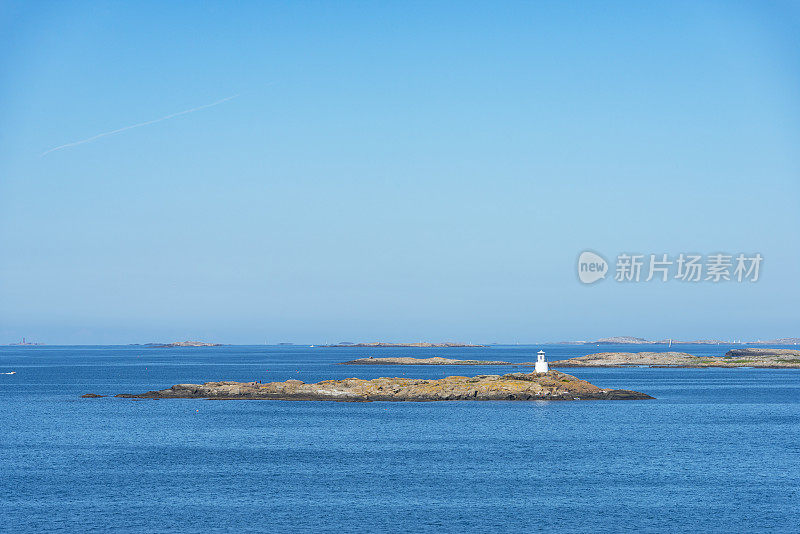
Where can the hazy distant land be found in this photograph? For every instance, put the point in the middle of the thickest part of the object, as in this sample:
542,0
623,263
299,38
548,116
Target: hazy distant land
617,340
746,357
403,360
183,344
630,340
420,344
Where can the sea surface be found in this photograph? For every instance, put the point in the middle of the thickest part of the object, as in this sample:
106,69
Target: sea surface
717,451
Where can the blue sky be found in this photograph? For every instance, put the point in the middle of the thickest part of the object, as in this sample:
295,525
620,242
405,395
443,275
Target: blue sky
393,171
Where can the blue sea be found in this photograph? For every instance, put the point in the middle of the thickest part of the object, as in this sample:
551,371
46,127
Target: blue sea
717,451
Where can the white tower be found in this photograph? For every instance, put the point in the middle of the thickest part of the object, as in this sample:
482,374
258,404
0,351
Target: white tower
541,363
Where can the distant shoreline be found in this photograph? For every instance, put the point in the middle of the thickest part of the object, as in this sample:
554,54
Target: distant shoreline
629,340
735,358
182,344
413,345
389,345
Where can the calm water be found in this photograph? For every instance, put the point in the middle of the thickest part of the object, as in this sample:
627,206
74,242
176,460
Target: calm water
719,450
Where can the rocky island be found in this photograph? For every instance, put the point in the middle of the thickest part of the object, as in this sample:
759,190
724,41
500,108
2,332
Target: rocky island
419,345
620,340
183,344
766,358
630,340
766,355
553,385
750,357
421,361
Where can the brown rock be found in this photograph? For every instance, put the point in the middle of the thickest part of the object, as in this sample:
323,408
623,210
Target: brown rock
515,386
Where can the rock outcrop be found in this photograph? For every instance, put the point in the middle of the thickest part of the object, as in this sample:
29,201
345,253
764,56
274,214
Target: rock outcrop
766,354
421,361
767,358
624,359
553,385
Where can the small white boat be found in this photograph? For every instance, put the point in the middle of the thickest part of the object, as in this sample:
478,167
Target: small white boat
11,373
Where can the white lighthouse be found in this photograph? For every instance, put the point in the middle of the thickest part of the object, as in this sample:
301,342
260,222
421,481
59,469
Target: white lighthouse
541,363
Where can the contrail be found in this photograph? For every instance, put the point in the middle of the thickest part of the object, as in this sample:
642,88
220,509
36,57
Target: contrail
112,132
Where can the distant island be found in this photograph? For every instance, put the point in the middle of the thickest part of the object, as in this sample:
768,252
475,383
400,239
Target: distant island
420,361
781,341
623,340
630,340
783,354
746,357
24,343
422,345
749,357
553,385
183,344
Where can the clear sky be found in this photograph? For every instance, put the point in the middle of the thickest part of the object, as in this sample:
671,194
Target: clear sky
393,170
